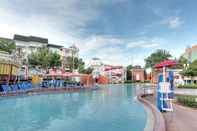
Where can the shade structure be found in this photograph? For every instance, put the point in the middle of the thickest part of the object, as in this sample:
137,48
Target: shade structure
166,63
66,74
109,68
75,74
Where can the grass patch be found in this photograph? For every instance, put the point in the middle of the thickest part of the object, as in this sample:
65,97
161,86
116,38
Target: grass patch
190,101
188,86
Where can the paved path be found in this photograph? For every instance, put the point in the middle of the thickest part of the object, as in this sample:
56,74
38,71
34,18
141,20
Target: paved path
186,91
182,119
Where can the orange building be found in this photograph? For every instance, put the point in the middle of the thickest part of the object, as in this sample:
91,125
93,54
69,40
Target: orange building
138,74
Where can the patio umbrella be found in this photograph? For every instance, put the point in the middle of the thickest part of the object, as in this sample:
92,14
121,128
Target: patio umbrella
164,64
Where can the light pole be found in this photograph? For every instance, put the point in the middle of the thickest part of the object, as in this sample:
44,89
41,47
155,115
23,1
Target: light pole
186,66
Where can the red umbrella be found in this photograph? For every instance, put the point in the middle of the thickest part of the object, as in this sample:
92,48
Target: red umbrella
166,63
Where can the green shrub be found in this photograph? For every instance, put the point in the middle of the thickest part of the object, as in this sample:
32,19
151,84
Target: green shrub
128,81
190,101
147,81
189,86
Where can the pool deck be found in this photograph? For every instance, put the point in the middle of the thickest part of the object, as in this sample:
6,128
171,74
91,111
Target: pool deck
181,119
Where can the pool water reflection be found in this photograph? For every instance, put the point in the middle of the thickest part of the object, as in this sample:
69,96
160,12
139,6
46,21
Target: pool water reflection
111,108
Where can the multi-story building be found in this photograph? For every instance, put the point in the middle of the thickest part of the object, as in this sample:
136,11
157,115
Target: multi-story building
97,66
27,44
55,48
113,74
72,52
191,53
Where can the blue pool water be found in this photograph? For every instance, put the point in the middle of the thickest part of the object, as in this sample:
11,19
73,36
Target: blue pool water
112,108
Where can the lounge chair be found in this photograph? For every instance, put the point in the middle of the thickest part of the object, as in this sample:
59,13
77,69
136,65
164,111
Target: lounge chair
45,84
6,89
14,88
27,86
61,83
21,87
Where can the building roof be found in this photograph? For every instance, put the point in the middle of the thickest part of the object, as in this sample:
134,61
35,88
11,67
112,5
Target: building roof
55,46
137,67
30,38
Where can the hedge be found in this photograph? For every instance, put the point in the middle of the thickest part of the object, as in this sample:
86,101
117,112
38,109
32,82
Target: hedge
190,101
189,86
128,81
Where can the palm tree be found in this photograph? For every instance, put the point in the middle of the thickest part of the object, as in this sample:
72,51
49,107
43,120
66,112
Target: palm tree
157,57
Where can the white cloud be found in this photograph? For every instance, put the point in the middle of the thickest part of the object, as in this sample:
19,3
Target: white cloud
97,41
173,22
112,55
58,21
63,22
144,43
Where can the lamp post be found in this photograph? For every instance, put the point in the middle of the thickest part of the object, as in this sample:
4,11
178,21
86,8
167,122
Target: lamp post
186,66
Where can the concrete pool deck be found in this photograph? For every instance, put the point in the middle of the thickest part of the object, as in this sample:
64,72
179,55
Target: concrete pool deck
181,119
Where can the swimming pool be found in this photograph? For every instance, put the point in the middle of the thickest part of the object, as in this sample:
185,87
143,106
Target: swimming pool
111,108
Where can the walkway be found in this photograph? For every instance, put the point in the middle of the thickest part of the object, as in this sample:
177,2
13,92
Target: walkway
181,119
186,91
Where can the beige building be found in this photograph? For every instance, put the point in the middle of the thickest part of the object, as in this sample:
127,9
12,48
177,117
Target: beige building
55,48
72,52
191,53
28,44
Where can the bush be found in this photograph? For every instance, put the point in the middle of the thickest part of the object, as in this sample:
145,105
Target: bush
189,86
190,101
128,81
147,81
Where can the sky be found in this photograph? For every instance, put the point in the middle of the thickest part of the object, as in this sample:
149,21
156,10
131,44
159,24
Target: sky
119,32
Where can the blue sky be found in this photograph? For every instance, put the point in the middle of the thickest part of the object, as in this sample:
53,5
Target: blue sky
117,31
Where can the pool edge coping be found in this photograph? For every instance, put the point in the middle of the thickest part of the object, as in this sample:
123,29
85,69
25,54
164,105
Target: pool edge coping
159,122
